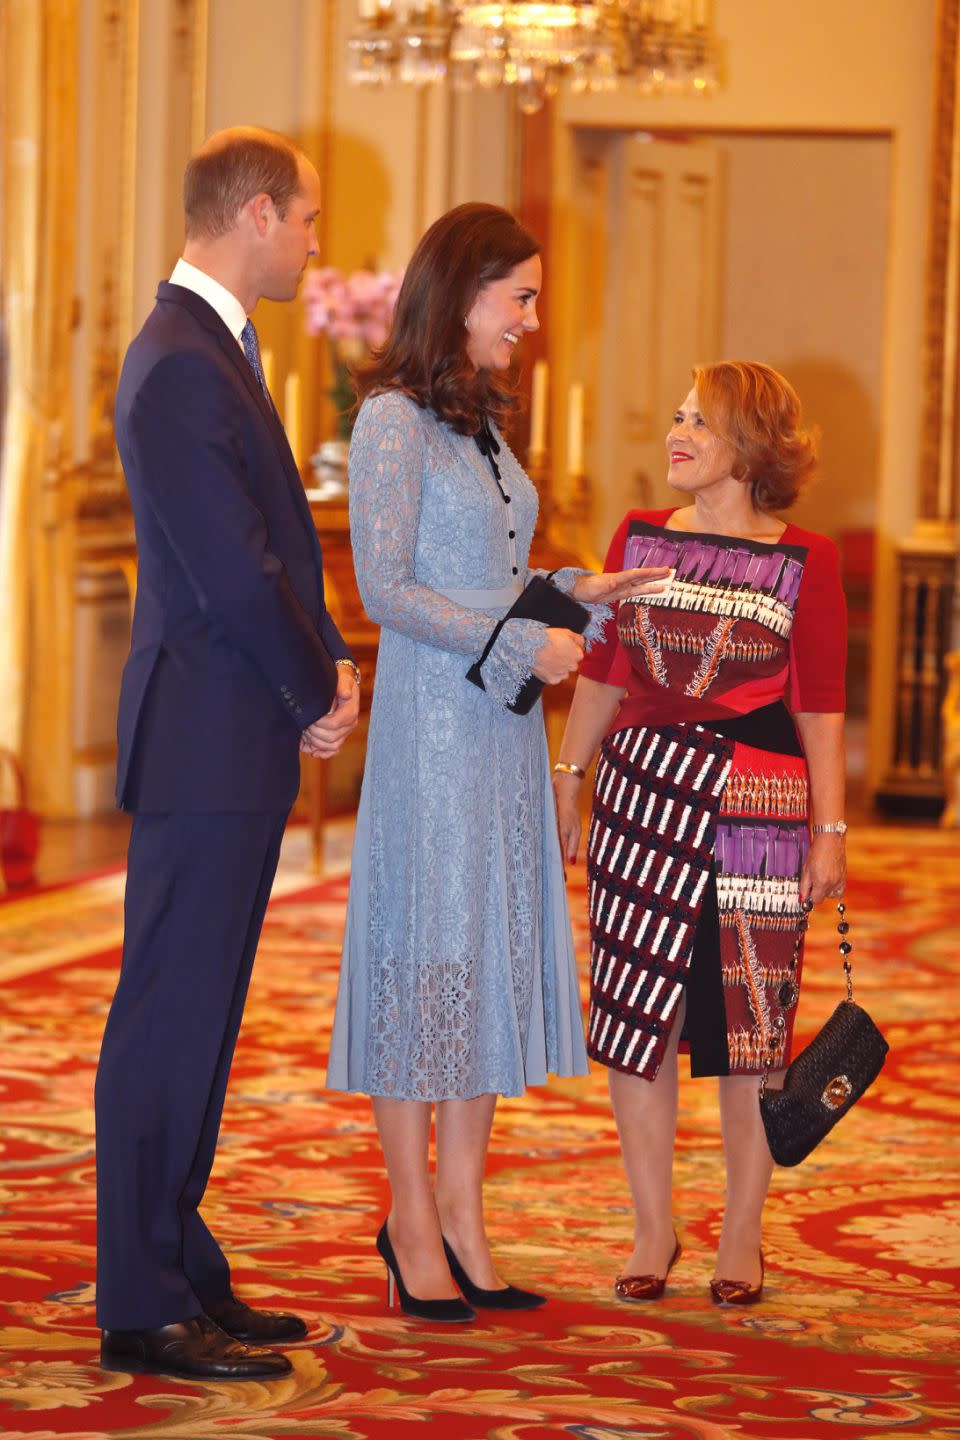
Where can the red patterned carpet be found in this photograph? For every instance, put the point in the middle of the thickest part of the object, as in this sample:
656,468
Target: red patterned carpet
858,1335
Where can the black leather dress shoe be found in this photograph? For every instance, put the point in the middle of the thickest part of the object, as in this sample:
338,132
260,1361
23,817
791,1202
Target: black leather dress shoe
256,1327
194,1349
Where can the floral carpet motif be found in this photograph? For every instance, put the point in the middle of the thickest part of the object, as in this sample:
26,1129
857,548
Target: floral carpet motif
858,1333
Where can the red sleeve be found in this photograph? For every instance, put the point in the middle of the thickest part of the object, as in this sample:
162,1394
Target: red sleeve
600,664
818,641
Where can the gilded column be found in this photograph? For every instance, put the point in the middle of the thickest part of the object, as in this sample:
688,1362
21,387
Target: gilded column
38,92
926,563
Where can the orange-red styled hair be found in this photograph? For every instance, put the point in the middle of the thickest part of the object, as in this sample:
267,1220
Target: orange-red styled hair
425,356
757,412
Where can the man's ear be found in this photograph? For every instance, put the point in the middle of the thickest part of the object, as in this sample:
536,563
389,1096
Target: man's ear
261,210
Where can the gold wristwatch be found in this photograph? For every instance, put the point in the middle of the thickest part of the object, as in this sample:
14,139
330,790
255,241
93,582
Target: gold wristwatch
351,666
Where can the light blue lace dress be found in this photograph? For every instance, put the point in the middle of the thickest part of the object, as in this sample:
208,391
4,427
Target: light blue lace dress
458,975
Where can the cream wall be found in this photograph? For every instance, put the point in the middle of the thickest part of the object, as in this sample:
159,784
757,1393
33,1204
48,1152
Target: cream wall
390,161
153,77
168,108
858,68
804,276
394,158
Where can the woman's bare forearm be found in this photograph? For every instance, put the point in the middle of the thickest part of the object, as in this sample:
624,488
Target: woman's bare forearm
591,715
823,744
825,871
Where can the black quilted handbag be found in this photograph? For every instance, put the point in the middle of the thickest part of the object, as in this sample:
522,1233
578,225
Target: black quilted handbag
828,1077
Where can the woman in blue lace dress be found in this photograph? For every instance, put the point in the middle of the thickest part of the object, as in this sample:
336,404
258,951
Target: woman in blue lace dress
458,981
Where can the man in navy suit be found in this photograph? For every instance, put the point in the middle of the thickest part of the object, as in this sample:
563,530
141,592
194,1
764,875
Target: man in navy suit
234,667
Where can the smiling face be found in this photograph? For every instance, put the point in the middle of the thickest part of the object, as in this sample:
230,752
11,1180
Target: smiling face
501,313
700,459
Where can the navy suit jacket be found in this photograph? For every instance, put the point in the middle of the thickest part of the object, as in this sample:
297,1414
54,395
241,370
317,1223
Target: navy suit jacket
232,650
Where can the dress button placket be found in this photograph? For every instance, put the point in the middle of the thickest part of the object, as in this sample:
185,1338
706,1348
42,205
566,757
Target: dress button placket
512,551
487,445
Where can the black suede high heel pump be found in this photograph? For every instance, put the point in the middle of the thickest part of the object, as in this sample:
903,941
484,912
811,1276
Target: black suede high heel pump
508,1297
445,1312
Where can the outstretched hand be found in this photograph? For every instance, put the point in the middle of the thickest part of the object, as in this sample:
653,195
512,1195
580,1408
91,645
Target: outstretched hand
593,589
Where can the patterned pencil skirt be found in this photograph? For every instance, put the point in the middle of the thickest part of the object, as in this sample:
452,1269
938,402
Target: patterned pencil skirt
696,845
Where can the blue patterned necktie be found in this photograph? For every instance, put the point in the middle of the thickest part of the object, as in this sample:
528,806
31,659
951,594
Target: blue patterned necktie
251,348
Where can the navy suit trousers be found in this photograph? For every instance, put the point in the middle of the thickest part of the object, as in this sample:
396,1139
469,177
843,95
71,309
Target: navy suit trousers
197,889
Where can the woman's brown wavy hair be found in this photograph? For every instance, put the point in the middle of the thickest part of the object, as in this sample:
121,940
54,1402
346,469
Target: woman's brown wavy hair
757,411
425,355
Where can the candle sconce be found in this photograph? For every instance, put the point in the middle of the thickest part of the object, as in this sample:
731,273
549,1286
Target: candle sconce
541,474
564,525
575,517
578,514
563,535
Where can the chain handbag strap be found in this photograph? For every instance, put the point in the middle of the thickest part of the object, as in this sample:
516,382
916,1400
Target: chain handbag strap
789,991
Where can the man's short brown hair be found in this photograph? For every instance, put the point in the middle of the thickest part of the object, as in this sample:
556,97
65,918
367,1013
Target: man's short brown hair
229,169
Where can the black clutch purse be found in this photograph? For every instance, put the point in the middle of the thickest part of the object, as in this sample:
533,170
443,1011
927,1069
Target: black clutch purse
828,1077
539,601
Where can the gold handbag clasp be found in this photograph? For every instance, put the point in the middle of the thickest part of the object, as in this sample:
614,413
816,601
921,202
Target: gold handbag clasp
837,1092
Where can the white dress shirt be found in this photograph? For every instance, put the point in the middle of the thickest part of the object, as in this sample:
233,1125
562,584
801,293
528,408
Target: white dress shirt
221,299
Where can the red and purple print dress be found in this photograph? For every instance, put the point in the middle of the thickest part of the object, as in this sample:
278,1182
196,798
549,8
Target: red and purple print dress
699,829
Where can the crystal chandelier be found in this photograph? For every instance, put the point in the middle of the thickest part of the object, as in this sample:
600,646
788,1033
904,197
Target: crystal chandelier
665,45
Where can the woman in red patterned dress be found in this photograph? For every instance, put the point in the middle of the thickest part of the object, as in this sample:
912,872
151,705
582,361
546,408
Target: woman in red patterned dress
718,710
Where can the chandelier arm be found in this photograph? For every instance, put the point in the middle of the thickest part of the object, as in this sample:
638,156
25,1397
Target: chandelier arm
534,45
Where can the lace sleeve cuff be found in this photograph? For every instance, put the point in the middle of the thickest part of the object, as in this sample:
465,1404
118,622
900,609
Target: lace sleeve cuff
600,616
511,660
564,579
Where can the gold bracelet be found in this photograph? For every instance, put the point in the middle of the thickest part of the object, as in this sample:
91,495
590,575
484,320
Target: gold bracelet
566,769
